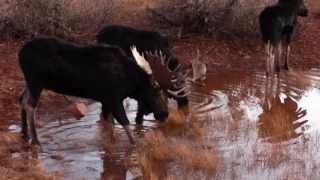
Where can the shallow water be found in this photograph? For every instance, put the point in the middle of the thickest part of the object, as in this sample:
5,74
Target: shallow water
245,98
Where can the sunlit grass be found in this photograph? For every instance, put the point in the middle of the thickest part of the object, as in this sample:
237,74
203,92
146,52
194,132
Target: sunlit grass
23,166
176,117
208,140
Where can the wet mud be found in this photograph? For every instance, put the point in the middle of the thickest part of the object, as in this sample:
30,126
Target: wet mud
251,103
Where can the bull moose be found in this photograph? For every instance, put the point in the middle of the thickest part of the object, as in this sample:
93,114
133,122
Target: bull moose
100,72
146,41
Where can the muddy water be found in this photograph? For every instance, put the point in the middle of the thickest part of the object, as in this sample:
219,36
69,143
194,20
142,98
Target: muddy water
78,149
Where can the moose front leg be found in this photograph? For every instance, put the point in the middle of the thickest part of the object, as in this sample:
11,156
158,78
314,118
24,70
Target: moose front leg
119,113
24,122
142,110
140,113
286,64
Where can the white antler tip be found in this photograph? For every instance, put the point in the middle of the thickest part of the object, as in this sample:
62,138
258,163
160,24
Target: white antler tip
140,60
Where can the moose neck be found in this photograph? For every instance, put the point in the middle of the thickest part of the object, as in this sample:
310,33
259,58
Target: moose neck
139,81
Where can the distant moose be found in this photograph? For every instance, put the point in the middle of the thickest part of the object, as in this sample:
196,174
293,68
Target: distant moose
151,41
275,22
100,72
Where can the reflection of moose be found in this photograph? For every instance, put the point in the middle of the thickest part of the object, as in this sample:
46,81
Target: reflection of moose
114,167
278,120
119,162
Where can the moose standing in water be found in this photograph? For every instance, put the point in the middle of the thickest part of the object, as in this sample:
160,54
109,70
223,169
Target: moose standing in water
151,41
276,22
99,72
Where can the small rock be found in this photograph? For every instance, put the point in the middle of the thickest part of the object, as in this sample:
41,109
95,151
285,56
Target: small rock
79,110
4,139
247,57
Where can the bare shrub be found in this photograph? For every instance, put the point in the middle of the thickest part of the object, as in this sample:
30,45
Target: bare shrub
62,18
210,16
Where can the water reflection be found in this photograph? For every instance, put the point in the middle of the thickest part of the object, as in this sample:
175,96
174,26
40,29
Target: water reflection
279,105
115,164
278,122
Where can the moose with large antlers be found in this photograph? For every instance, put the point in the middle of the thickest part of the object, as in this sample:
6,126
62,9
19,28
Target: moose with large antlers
151,41
100,72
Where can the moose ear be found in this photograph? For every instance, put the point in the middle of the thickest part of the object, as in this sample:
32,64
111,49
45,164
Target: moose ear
140,60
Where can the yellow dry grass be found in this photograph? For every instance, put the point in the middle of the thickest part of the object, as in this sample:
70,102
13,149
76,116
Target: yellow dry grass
157,149
20,167
250,155
176,117
299,79
277,126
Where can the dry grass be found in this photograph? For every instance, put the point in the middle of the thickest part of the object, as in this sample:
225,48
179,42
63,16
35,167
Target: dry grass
157,149
176,117
299,79
276,126
195,126
249,155
199,157
20,167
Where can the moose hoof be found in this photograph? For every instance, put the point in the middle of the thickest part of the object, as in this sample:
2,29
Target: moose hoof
287,68
139,122
132,142
24,137
267,73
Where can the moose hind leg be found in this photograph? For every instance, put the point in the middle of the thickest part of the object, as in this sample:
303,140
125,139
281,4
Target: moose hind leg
24,123
30,108
109,120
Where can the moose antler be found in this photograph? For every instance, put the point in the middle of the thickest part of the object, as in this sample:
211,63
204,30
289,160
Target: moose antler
164,75
140,60
199,70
